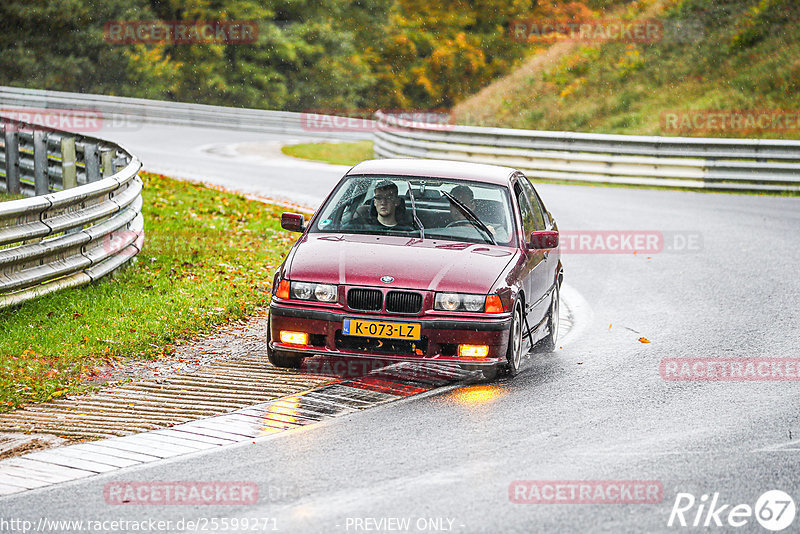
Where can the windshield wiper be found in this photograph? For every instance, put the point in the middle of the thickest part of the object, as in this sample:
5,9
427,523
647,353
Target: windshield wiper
470,216
414,212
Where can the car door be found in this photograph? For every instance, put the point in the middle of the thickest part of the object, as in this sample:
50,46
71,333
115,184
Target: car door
552,257
534,274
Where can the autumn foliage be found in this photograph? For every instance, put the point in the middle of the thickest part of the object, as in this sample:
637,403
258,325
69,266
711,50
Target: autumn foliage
332,54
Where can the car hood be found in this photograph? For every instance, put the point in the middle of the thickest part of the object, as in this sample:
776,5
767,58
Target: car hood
423,264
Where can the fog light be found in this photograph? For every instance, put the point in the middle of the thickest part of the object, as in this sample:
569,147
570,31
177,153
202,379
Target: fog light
473,351
294,338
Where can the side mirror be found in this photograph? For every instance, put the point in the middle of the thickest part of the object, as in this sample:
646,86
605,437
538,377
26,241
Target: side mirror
293,222
543,239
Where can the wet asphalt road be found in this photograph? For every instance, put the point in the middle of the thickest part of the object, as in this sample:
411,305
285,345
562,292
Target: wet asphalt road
204,154
596,409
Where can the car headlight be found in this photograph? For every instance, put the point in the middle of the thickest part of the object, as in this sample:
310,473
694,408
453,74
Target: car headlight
473,303
325,292
313,291
459,302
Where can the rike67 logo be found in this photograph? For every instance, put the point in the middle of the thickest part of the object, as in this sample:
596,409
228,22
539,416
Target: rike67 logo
774,510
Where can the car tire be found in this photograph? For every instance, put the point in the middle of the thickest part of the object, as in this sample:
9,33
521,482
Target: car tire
548,344
514,352
281,359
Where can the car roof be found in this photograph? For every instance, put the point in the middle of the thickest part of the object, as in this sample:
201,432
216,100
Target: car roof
437,168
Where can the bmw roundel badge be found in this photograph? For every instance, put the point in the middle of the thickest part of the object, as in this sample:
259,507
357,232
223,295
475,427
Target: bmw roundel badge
387,279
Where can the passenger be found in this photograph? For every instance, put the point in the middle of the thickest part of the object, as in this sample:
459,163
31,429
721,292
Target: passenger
464,194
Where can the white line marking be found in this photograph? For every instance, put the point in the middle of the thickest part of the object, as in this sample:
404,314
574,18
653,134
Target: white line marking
580,314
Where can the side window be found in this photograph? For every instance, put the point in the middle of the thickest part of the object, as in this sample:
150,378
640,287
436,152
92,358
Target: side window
530,192
528,220
548,222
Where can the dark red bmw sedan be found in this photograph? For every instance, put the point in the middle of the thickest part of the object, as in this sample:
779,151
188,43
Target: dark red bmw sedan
424,260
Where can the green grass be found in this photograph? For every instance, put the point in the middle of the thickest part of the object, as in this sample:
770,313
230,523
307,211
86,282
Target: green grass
208,258
6,196
336,153
745,55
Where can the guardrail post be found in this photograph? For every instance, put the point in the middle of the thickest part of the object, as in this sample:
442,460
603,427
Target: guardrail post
69,172
40,176
107,157
12,162
92,162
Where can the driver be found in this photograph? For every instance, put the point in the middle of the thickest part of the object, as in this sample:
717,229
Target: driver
387,211
386,201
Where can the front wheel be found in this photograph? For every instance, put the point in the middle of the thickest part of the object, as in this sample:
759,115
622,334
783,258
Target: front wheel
514,353
548,344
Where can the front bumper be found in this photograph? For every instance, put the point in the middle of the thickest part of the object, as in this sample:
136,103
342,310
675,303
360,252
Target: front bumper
440,335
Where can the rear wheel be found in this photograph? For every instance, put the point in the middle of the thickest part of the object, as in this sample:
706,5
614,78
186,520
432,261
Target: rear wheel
514,353
548,344
278,358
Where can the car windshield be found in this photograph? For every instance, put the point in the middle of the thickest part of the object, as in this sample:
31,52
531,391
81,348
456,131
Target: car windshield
433,208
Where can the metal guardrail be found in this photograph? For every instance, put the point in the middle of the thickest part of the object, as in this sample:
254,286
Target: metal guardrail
723,164
84,221
122,112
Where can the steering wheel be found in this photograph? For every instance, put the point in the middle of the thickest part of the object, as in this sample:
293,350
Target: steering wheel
460,222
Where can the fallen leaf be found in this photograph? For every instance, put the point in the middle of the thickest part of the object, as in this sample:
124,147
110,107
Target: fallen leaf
644,340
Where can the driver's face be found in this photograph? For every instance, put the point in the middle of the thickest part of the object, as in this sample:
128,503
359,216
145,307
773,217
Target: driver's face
386,201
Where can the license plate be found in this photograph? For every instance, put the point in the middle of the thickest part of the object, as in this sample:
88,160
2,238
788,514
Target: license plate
357,327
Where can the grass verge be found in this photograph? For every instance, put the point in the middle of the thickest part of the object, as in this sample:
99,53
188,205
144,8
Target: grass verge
335,153
208,259
728,57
